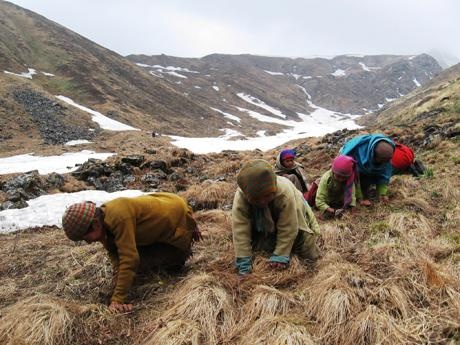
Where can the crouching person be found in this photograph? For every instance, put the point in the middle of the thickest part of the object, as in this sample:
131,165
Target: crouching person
151,231
336,190
271,215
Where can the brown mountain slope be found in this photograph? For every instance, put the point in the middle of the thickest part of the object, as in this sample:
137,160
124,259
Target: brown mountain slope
347,84
95,76
436,101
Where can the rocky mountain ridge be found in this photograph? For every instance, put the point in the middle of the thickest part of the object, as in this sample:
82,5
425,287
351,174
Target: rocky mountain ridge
194,97
345,84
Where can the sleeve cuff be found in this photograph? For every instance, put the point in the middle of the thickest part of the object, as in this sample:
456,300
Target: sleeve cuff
279,258
244,265
382,189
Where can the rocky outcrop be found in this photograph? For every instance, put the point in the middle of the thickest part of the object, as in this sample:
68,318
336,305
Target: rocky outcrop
50,118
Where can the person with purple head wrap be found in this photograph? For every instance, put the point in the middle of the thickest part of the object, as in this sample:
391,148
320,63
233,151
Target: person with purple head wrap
293,171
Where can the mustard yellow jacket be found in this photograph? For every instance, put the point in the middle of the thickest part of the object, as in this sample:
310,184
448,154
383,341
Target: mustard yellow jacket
141,221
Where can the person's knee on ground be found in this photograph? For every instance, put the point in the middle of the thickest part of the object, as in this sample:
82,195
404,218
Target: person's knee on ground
305,246
161,256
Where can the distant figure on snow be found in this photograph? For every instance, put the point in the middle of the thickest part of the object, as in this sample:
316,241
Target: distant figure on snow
149,231
336,190
271,215
287,167
372,153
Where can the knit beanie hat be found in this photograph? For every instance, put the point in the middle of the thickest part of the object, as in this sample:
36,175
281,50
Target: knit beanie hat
343,165
256,178
287,153
77,219
403,157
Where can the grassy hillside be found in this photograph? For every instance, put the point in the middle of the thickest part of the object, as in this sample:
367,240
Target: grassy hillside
388,275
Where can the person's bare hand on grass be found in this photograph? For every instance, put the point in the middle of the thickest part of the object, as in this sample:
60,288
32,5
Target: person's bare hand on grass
116,307
365,202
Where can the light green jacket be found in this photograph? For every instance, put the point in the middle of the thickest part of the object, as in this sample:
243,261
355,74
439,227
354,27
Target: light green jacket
330,192
290,210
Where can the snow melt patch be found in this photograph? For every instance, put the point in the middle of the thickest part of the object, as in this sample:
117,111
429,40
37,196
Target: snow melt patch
103,121
47,210
273,73
174,74
365,68
77,142
339,73
28,74
321,121
47,164
227,115
416,82
257,102
171,70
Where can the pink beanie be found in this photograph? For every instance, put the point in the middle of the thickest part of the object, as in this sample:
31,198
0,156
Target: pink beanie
343,165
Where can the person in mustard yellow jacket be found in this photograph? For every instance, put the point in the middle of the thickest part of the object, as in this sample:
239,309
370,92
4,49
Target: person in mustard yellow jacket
270,214
154,230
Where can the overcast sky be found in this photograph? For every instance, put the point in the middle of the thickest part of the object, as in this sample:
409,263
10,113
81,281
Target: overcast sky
292,28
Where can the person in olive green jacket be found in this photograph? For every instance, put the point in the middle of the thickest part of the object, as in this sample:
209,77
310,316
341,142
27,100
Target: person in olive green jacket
154,230
336,189
270,214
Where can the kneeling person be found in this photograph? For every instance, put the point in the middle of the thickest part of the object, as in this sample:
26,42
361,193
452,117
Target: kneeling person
336,190
150,230
270,214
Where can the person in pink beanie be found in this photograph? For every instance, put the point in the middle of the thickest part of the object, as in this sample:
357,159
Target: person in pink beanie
336,190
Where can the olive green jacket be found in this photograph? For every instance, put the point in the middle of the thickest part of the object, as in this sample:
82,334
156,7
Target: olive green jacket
291,212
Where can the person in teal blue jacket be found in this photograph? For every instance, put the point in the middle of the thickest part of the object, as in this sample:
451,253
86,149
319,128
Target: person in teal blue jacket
372,153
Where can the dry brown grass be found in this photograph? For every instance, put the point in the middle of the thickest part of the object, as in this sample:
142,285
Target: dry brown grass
296,272
374,326
268,301
210,194
41,320
203,300
278,330
393,299
410,226
334,296
176,332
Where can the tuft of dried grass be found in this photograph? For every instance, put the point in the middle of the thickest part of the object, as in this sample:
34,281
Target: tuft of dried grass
215,251
296,272
334,295
278,330
373,326
8,289
411,227
268,301
210,194
426,283
213,217
336,238
175,332
40,320
203,299
393,299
